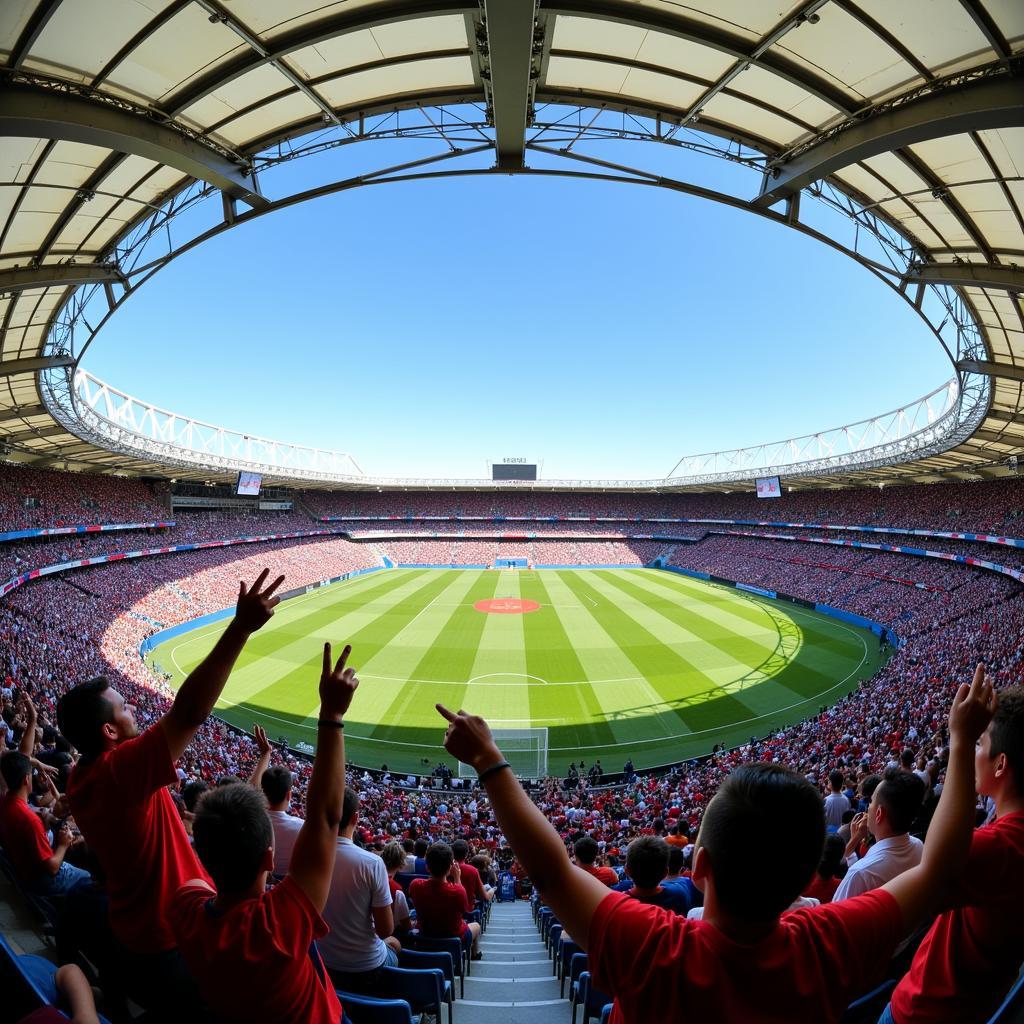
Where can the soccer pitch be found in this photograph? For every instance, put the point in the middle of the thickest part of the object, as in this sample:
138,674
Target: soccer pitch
613,663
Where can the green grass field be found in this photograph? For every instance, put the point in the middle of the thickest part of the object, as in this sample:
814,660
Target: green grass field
617,662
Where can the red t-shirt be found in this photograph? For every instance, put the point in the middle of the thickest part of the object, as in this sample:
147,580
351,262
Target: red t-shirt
471,881
257,960
971,955
822,889
121,804
439,906
605,875
23,837
660,966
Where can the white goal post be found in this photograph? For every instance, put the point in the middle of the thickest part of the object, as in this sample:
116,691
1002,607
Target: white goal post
526,750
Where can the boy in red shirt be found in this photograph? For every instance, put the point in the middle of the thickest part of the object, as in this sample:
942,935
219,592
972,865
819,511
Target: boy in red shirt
253,952
118,795
470,876
441,900
970,957
746,960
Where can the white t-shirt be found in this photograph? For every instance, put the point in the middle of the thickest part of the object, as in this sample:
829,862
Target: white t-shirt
286,830
836,805
882,863
359,882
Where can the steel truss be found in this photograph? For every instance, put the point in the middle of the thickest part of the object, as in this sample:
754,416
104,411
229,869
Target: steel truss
560,141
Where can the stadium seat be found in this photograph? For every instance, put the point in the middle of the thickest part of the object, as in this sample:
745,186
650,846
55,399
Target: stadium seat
367,1010
454,946
577,968
606,1013
422,959
1010,1009
591,999
405,878
422,989
567,950
866,1010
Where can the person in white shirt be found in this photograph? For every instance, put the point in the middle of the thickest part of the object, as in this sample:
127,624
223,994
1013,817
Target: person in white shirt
895,804
276,783
836,803
358,911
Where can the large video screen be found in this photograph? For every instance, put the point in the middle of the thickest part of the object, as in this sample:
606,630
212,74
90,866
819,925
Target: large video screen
248,485
768,487
514,471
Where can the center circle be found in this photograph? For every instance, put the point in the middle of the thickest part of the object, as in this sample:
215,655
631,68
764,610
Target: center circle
506,606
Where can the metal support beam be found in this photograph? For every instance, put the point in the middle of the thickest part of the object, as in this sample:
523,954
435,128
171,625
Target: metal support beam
980,275
12,367
30,435
1007,370
29,111
63,275
993,437
510,26
1005,416
21,412
990,102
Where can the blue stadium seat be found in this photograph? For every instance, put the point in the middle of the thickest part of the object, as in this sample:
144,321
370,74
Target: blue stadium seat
422,989
421,959
367,1010
867,1009
567,950
406,878
592,999
1012,1004
454,946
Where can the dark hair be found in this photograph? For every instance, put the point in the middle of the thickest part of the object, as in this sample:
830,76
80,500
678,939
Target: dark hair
835,778
349,806
408,845
421,847
901,794
832,855
1006,732
907,757
676,860
14,766
276,783
81,714
232,834
868,785
393,856
191,793
228,780
460,849
756,881
439,859
585,849
647,861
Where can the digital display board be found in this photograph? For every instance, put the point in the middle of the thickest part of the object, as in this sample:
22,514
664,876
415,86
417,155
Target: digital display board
248,485
768,487
514,471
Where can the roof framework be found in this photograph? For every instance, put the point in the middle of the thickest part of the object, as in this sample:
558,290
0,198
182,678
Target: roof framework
894,133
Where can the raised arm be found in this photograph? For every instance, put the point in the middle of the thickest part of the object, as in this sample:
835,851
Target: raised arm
572,894
203,687
28,737
919,890
312,862
263,744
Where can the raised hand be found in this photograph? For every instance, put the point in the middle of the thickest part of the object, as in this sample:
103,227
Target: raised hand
858,829
468,738
255,607
262,743
973,707
337,685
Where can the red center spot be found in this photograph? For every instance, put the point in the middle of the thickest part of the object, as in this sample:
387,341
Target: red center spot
506,606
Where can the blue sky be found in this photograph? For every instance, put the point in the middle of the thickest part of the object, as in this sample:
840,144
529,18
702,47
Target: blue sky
432,327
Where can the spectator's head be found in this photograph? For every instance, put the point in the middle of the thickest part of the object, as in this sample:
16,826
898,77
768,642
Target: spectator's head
95,717
868,785
233,837
647,861
999,760
747,878
835,780
349,811
409,846
832,855
16,769
421,848
907,759
277,786
676,861
394,857
191,793
439,860
585,849
229,780
460,850
895,803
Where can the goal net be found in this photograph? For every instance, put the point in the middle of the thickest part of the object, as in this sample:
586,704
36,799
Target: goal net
525,749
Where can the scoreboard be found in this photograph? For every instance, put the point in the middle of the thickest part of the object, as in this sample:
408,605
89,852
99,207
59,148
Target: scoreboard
513,469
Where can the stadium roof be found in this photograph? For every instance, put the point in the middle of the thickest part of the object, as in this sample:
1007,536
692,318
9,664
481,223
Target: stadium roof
117,115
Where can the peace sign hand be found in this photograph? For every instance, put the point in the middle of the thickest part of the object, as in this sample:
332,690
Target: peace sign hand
337,685
254,607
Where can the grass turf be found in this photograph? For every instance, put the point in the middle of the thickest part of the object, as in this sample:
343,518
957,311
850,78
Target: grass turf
615,663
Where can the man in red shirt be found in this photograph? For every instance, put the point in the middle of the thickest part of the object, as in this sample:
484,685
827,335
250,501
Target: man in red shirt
441,900
970,957
470,876
40,867
585,849
253,952
118,795
746,960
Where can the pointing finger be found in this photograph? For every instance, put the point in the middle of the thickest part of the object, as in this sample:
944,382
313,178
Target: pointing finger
445,713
